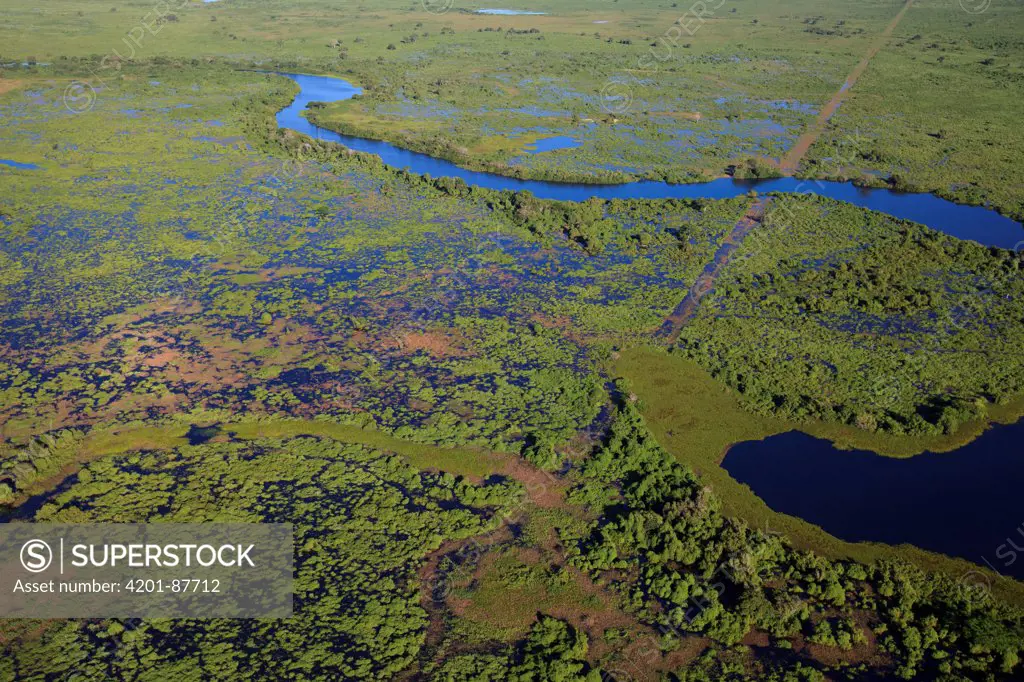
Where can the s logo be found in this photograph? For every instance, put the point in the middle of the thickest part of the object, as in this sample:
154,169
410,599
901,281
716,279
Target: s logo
36,556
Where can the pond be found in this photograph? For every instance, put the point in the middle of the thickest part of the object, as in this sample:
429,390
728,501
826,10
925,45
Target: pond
964,222
17,164
551,144
965,503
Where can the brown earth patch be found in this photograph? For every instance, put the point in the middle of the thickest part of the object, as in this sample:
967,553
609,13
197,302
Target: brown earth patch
435,343
266,274
757,638
420,405
563,322
433,595
594,621
686,115
866,652
542,488
508,89
10,85
642,660
587,607
189,360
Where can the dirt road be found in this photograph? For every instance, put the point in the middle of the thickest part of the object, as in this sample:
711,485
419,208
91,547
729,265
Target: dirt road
791,163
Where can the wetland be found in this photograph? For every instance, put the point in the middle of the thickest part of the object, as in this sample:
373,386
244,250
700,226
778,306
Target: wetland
562,369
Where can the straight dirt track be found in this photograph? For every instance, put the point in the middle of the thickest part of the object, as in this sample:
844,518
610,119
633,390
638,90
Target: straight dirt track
791,163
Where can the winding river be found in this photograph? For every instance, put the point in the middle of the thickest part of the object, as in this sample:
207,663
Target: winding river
965,222
964,503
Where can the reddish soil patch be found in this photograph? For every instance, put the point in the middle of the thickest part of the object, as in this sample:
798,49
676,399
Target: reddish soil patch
757,638
599,613
268,274
161,358
542,488
565,325
642,660
866,652
190,360
437,344
562,322
419,405
595,622
434,593
10,85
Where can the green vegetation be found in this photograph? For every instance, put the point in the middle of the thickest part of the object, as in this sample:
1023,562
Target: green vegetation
213,268
552,651
696,419
506,598
740,89
835,313
681,563
30,469
415,372
904,129
363,519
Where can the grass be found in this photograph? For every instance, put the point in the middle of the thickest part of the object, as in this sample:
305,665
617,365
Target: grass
105,440
461,461
897,125
901,120
488,77
696,419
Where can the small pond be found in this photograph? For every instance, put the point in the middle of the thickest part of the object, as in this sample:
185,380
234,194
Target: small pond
18,164
551,144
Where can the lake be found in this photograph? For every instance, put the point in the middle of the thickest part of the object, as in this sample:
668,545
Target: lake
965,503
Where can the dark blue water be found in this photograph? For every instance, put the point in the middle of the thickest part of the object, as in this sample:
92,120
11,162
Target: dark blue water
965,503
16,164
965,222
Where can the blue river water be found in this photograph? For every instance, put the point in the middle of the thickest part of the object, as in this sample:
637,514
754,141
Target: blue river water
965,222
964,503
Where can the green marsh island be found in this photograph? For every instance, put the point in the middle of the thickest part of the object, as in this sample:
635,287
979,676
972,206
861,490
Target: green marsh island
578,341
